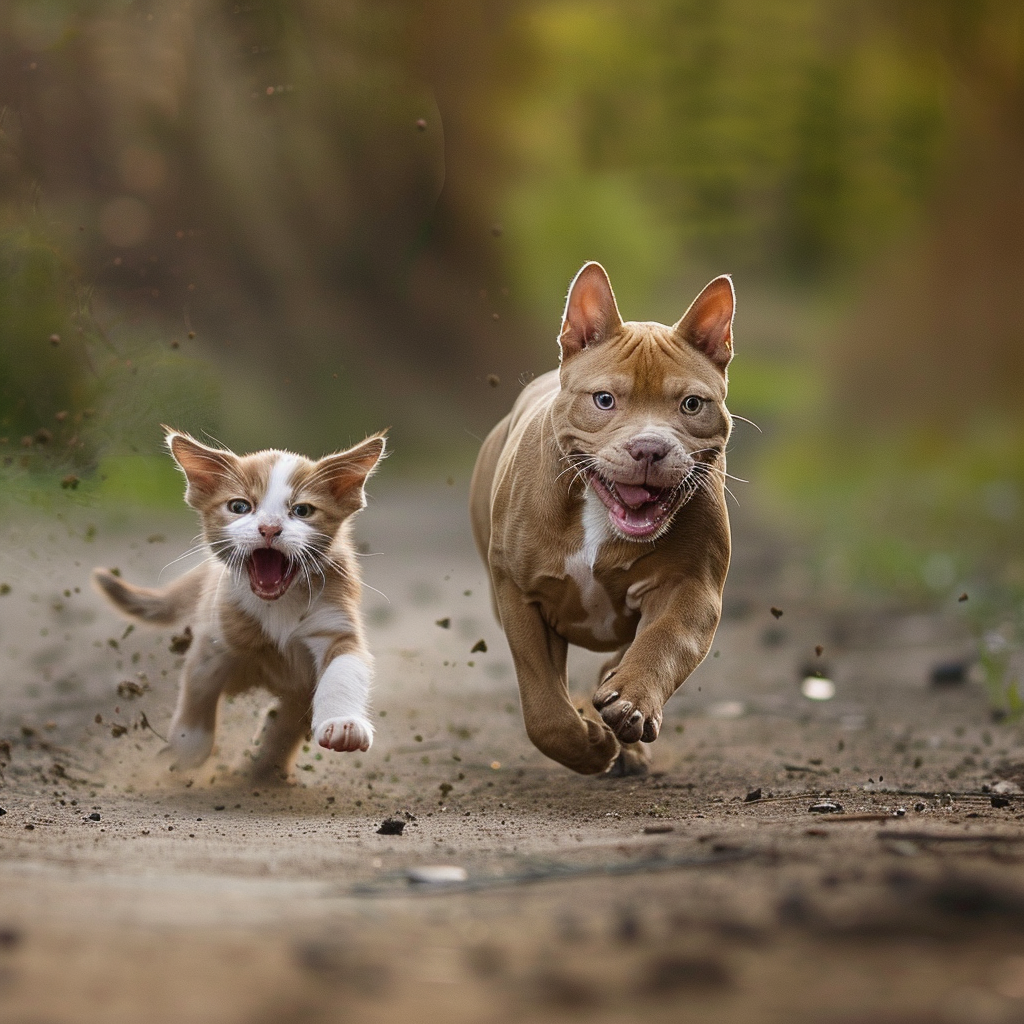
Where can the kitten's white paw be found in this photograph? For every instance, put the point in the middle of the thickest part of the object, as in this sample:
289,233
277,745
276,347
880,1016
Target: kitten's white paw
345,734
189,748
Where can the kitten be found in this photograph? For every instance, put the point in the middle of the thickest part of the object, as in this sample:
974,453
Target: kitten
276,603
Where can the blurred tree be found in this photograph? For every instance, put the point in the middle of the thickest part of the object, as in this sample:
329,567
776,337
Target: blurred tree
939,335
398,193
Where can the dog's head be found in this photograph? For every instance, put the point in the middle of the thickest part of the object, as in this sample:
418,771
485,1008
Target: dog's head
641,412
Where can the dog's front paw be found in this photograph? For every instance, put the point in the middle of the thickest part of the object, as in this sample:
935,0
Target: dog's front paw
630,721
345,734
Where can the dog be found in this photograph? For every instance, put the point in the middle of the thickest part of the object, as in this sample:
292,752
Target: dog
598,506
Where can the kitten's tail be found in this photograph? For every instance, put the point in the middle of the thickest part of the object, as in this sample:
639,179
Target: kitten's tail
164,607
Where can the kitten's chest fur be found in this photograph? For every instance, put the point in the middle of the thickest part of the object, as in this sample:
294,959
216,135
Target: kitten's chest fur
284,643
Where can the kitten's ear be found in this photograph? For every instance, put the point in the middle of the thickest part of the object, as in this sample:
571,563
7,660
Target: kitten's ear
346,472
204,468
590,311
707,324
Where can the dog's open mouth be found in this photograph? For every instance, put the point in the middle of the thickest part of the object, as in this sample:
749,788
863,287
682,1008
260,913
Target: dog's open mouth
638,511
270,573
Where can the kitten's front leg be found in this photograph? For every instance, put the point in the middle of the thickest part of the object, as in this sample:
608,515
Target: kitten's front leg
190,736
340,715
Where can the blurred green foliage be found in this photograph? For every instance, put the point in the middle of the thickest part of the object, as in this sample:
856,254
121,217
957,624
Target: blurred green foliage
37,307
785,140
908,511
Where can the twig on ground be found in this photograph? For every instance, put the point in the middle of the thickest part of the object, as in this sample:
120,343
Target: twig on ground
145,723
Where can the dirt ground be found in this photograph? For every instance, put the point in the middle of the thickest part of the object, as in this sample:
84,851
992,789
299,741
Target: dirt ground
708,891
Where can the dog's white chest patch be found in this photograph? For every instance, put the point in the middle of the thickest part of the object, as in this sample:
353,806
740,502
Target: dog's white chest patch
580,567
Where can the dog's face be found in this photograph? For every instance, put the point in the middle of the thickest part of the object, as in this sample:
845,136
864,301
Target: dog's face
641,413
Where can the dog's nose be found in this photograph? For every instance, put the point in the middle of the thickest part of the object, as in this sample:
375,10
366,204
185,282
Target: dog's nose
648,448
269,531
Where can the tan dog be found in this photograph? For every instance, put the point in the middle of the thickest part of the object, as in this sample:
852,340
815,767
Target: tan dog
598,505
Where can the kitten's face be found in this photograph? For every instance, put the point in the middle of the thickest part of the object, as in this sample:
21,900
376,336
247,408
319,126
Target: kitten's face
272,516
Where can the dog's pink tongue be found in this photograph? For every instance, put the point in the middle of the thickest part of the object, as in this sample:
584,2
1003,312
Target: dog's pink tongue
269,567
634,496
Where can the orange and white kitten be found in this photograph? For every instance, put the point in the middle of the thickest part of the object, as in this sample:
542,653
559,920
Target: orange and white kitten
276,603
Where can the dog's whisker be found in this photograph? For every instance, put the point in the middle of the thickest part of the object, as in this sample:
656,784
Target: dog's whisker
743,419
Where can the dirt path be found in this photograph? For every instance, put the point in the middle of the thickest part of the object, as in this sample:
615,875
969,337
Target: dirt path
131,893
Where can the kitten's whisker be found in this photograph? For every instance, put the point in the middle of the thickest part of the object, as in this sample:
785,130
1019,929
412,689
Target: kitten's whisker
200,549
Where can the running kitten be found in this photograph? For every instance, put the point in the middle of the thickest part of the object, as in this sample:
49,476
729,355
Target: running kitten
276,603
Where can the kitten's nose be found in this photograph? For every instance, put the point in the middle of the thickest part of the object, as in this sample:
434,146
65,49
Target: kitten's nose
269,531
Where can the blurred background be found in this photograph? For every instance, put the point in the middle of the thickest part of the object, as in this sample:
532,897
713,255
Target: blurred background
290,223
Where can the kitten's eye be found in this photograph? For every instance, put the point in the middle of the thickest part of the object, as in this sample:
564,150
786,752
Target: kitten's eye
239,506
604,400
303,510
692,404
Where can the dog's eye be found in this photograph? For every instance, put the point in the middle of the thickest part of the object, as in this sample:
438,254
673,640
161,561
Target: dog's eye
239,506
303,510
692,404
604,400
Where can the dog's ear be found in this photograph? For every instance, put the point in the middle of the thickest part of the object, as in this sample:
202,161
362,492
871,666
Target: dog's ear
590,311
707,324
204,468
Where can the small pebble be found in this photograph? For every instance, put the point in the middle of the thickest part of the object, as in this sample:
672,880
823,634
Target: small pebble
391,827
1000,801
826,807
95,816
817,688
437,874
754,794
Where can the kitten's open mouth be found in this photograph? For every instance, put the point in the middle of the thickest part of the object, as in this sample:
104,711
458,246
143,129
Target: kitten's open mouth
638,511
270,573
